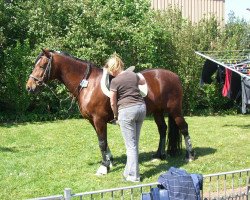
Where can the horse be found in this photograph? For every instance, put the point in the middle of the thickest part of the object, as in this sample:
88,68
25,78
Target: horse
82,79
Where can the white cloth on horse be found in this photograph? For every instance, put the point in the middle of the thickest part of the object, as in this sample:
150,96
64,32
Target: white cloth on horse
105,83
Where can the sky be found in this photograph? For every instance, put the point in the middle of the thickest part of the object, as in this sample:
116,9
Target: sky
239,7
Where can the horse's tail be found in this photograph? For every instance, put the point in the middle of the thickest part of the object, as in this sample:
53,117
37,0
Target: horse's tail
174,138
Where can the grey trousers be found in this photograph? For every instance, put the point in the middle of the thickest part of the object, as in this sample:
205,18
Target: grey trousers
130,120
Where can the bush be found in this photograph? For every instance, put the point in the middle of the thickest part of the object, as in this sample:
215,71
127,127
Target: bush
93,30
14,77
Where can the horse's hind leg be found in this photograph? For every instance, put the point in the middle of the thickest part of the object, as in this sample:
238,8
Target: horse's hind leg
162,128
183,126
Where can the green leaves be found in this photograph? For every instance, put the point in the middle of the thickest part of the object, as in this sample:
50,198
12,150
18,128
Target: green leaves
94,29
14,78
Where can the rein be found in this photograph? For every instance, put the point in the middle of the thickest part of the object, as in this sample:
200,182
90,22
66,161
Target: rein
82,84
46,76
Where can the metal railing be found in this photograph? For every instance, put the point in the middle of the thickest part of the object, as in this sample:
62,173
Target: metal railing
234,185
227,185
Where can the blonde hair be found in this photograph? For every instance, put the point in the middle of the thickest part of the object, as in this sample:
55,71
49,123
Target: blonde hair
114,64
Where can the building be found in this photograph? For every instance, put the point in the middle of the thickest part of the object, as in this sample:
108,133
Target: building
194,9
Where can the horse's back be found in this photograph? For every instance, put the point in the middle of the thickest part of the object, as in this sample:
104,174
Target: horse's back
160,72
164,89
162,79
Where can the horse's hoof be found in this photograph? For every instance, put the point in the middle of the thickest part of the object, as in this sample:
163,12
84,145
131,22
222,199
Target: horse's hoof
110,165
103,170
159,156
155,160
189,160
190,156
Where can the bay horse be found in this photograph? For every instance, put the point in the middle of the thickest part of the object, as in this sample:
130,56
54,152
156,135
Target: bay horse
82,79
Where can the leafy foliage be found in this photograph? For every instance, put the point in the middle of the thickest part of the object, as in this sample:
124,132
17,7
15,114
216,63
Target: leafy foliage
15,76
93,30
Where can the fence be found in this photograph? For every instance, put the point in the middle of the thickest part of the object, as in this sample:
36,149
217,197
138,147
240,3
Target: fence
234,185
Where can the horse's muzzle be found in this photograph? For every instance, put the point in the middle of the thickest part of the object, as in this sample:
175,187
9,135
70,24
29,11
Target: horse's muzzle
29,89
31,86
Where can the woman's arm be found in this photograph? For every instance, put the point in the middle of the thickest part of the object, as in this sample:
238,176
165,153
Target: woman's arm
113,102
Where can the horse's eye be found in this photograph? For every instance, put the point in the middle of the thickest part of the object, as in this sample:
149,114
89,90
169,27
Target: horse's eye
41,66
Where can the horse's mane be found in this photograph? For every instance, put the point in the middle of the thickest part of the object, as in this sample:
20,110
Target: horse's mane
75,58
40,55
64,53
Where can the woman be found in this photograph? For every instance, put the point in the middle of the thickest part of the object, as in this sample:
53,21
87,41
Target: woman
129,108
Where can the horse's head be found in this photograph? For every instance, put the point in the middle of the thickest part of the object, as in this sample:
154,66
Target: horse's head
41,72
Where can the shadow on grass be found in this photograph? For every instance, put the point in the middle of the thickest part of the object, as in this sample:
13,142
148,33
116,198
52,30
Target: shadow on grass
203,151
19,124
145,158
177,161
7,149
239,126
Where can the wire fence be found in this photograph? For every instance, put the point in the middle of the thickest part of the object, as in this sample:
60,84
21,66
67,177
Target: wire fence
234,185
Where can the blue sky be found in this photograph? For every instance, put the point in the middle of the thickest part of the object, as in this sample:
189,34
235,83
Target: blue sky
239,7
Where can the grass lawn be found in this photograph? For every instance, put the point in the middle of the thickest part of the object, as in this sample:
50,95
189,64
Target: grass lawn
41,159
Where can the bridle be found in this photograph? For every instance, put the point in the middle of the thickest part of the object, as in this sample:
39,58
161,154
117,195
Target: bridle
46,77
46,74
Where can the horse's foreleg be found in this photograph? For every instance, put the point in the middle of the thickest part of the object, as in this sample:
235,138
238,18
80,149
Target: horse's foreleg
106,158
101,130
183,126
162,128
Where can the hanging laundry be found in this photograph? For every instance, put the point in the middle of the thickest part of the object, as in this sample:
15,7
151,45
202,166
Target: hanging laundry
235,68
209,68
226,87
232,85
245,84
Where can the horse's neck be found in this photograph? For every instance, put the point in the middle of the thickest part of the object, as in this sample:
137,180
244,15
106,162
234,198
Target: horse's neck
70,73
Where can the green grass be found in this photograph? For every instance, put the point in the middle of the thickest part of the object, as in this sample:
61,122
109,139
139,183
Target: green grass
41,159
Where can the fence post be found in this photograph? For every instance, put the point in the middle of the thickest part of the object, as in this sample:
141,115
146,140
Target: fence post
248,189
67,193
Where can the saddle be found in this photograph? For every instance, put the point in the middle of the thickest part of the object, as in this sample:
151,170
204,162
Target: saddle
106,78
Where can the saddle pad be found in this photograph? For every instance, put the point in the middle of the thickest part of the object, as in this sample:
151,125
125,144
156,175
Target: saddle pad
105,84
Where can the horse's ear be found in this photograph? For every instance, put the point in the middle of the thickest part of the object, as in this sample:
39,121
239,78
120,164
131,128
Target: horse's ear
46,52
